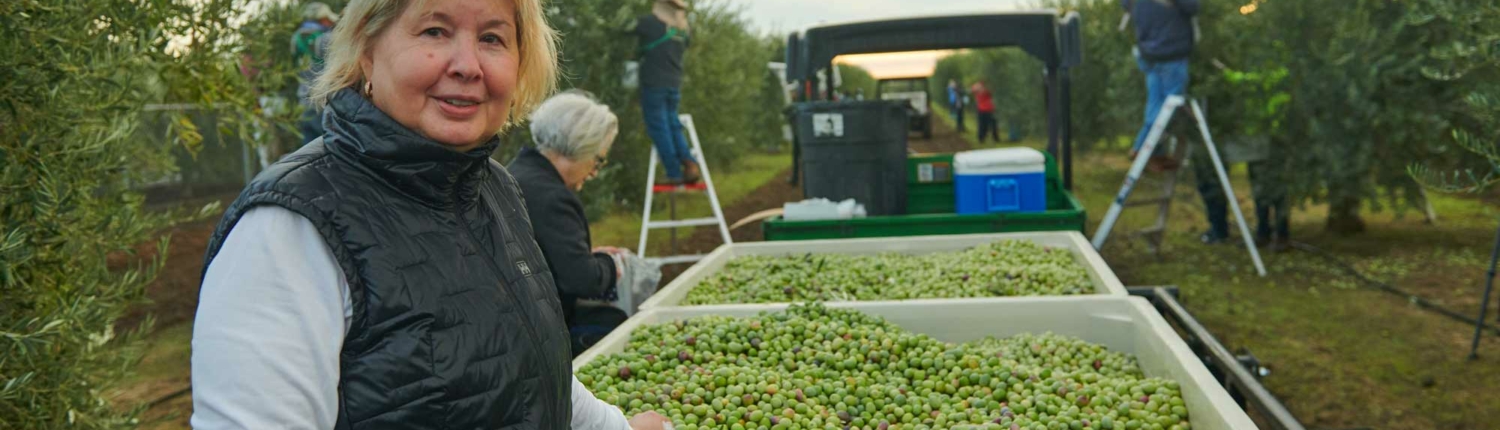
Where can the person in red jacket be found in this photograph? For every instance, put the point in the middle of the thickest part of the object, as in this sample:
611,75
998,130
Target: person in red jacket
984,102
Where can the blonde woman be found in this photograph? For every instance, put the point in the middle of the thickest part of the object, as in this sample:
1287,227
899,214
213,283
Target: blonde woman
385,276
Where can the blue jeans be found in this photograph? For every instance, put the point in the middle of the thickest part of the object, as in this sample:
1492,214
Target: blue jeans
659,107
1163,79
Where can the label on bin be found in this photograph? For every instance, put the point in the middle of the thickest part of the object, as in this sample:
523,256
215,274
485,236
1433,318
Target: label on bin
934,172
828,125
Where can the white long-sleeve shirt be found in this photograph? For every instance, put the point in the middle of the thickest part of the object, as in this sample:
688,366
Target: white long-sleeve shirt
272,315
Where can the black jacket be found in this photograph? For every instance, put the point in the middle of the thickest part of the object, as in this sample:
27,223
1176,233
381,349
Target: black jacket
1163,28
661,66
455,323
562,231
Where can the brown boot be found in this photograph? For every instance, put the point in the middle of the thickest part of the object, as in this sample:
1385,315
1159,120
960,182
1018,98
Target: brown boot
690,172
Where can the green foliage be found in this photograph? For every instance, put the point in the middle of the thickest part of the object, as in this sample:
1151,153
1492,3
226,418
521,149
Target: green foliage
1473,59
728,89
77,75
853,79
1013,77
1349,92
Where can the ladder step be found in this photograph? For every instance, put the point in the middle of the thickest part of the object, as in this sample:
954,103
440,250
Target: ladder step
1152,230
677,259
686,188
695,222
1147,202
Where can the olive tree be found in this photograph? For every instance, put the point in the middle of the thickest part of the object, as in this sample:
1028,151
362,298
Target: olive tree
77,77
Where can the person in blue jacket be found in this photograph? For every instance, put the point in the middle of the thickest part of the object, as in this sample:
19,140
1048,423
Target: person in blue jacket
956,103
1164,41
1165,38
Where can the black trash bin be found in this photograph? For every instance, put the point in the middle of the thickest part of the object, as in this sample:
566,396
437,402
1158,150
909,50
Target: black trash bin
854,149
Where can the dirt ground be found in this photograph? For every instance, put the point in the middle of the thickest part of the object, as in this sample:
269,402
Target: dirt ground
174,295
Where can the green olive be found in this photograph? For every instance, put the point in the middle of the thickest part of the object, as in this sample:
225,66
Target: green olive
811,367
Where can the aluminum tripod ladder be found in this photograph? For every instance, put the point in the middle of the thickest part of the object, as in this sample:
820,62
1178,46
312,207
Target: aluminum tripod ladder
1168,110
1155,235
672,223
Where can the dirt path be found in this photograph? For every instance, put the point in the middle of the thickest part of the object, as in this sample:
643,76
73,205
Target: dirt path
944,139
174,294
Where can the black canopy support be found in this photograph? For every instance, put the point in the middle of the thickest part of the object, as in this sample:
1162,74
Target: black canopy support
1053,39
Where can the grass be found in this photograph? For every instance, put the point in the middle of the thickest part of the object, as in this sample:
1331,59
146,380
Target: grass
623,228
163,371
1344,355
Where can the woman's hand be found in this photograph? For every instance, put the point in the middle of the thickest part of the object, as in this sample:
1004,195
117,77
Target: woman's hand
650,420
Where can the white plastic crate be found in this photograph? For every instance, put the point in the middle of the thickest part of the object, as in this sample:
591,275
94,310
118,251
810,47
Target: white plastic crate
1123,324
1099,274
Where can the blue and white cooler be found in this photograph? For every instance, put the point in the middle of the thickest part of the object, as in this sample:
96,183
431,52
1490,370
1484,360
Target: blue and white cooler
1000,180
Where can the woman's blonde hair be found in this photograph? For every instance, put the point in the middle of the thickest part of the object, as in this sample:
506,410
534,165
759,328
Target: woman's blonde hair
365,20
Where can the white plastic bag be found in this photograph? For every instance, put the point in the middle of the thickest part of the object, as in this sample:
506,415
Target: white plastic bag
638,281
821,209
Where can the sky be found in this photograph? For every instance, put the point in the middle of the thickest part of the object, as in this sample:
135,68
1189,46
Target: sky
781,17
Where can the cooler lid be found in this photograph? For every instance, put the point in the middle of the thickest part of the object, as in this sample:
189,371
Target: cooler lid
999,160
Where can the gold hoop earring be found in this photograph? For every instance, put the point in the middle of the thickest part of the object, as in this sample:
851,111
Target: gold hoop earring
369,89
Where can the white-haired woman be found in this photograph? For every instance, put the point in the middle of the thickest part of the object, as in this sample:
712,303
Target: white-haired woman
385,276
573,134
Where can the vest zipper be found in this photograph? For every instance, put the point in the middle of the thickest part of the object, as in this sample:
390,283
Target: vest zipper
536,339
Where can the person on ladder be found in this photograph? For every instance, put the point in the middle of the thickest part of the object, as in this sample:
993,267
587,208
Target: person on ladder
664,38
1164,42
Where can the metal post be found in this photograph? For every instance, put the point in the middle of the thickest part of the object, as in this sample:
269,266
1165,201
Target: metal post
1049,76
1484,304
672,215
1234,203
646,213
1066,109
244,159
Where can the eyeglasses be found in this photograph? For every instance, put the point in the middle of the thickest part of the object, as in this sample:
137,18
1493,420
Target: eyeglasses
599,162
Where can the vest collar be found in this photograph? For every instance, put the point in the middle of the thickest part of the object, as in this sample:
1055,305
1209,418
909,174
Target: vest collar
407,161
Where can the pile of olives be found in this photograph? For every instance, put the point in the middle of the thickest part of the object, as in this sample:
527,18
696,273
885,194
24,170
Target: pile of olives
1003,268
812,367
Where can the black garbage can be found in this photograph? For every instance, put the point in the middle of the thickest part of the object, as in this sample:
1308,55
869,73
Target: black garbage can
854,149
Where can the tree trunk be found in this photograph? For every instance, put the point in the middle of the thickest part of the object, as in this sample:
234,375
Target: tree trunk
1344,219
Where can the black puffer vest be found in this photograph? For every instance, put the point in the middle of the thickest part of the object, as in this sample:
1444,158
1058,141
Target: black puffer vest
456,323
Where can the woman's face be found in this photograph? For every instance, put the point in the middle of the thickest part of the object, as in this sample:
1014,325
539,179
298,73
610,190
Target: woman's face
447,71
581,171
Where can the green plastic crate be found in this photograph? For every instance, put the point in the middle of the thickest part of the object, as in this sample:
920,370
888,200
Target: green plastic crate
930,208
929,184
